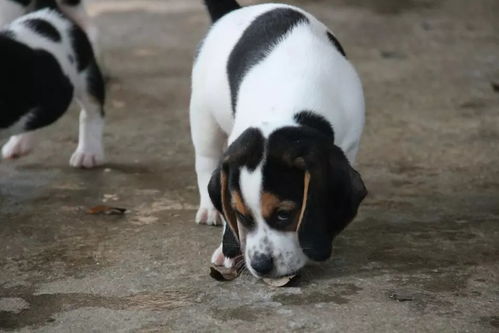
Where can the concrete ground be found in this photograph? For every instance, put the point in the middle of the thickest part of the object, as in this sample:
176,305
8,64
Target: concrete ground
423,254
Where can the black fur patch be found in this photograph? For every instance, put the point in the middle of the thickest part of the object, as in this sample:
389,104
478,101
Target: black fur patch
219,8
230,245
44,28
71,2
257,41
316,121
82,48
336,43
32,82
16,94
53,95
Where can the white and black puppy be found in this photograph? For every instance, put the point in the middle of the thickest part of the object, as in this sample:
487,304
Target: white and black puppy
74,9
273,83
45,61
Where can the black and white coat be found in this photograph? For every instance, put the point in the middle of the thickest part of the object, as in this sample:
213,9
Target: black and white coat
46,60
273,84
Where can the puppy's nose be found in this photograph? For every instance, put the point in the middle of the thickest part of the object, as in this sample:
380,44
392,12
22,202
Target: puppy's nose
262,264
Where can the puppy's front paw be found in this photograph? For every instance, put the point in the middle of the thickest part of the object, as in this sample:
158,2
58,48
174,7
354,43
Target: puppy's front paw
86,159
17,146
209,216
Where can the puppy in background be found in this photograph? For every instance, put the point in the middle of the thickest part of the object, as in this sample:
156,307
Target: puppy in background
74,9
274,84
46,59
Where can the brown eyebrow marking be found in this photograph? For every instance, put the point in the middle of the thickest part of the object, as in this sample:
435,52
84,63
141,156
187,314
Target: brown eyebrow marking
270,203
238,203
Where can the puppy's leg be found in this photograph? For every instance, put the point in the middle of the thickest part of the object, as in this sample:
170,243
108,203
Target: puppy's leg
208,141
90,152
18,145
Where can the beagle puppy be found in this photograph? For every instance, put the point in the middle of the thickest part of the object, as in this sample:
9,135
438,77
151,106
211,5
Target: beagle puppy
45,61
273,85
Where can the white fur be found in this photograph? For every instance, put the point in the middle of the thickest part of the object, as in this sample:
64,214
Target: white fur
303,72
90,152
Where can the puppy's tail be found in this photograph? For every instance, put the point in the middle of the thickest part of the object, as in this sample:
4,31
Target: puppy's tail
219,8
41,4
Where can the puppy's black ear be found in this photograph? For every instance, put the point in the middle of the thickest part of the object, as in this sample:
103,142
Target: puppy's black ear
218,189
214,190
333,193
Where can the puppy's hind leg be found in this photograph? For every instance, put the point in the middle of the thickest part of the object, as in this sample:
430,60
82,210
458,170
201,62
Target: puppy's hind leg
208,141
90,151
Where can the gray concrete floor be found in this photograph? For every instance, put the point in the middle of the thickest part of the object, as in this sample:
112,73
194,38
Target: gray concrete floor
423,254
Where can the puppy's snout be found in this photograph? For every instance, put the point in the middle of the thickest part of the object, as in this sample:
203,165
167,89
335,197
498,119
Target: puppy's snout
262,264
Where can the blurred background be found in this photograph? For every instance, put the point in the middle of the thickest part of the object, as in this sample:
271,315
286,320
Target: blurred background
423,254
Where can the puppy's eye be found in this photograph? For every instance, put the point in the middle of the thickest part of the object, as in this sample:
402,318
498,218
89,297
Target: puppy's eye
283,215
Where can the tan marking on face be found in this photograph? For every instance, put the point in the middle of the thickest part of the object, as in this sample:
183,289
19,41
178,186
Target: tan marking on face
238,203
271,203
306,186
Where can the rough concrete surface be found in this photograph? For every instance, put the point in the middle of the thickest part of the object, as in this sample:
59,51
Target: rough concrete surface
423,254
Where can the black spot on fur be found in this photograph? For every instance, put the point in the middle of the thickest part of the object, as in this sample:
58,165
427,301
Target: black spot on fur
82,48
257,41
71,2
315,121
219,8
44,28
336,43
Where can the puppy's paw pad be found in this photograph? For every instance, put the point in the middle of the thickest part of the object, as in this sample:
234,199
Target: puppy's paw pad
86,159
209,216
16,147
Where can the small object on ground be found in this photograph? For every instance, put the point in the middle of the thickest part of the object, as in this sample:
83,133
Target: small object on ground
281,282
495,86
106,210
401,297
222,273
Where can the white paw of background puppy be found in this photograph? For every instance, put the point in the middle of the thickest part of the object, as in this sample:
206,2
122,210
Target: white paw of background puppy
17,146
86,159
209,216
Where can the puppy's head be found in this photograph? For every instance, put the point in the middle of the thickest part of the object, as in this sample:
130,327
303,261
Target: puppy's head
285,197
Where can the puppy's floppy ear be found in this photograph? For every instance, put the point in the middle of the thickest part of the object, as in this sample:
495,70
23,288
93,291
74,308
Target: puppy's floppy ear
218,188
332,192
